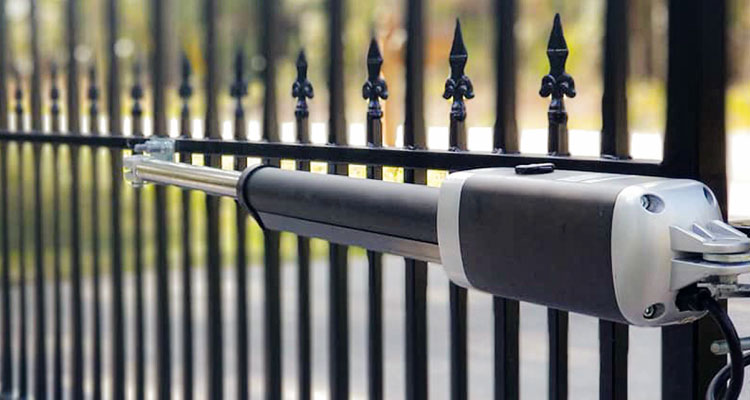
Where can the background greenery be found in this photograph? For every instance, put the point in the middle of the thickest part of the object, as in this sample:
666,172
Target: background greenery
304,24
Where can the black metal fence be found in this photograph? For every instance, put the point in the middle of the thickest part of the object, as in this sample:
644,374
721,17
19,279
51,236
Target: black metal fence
694,147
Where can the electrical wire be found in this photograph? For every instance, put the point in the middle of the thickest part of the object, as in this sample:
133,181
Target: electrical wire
734,372
718,384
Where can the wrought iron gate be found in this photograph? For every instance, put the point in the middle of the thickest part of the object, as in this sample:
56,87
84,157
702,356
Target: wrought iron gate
694,146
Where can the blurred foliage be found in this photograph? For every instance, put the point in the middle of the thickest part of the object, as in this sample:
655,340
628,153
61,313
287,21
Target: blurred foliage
303,23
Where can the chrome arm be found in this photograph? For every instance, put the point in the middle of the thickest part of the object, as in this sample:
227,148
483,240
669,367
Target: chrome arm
141,169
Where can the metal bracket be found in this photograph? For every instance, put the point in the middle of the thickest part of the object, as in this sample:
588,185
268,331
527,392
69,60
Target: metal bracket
716,237
129,165
157,148
726,290
713,254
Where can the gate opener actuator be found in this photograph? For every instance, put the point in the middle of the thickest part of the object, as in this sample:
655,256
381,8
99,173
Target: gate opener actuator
640,250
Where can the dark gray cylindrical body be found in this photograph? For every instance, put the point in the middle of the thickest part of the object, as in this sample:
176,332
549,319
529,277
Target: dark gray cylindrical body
385,216
552,246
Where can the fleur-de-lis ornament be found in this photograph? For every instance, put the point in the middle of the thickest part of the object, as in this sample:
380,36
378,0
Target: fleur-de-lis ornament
302,89
54,93
185,90
93,96
18,95
375,87
238,90
557,84
458,85
136,92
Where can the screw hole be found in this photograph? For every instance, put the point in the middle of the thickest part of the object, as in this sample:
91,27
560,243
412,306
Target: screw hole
709,196
653,311
652,204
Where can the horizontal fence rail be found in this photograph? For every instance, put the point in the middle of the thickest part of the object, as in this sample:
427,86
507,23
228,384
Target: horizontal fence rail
63,193
392,157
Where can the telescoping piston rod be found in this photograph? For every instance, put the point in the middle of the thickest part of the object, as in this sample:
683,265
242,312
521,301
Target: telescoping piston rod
616,247
213,181
382,216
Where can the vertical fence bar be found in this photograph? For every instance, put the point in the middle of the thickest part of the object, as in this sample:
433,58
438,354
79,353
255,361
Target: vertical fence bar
337,254
74,128
506,313
505,139
614,337
136,94
557,325
373,90
6,365
302,90
96,367
22,346
115,129
613,360
615,139
185,92
557,84
238,90
695,147
458,86
272,279
416,271
40,353
57,384
6,388
159,75
215,360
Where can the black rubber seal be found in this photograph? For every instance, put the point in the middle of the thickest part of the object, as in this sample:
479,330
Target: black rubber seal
242,199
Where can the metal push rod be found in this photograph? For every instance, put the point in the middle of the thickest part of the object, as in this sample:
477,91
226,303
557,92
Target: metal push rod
210,180
389,217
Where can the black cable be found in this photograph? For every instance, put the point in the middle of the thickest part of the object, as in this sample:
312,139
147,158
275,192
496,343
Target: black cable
718,384
700,299
736,367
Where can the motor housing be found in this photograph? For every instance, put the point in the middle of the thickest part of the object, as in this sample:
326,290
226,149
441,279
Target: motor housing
593,243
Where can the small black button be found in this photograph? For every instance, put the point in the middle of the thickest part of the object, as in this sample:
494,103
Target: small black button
535,169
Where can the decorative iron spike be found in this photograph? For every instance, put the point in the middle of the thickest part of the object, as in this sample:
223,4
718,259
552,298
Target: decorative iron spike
54,91
185,90
458,85
302,89
557,83
375,88
238,90
18,94
136,92
93,91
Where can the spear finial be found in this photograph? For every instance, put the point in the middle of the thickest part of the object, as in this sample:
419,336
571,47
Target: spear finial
18,95
136,94
375,87
458,85
302,89
557,84
185,90
93,96
238,90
